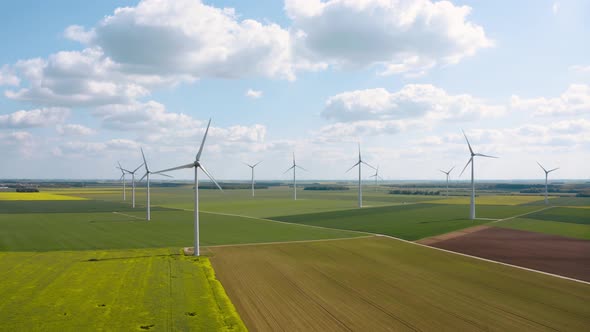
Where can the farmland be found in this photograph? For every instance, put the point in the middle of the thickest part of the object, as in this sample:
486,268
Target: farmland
379,284
315,252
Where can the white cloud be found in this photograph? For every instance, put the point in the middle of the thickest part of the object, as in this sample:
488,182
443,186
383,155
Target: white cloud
412,101
192,38
34,118
75,78
574,101
555,7
21,142
254,94
401,36
118,144
74,130
580,69
7,76
79,34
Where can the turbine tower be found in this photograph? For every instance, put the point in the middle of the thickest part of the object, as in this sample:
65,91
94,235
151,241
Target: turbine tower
376,176
546,176
471,161
294,167
196,165
447,173
359,163
132,181
147,174
122,178
252,167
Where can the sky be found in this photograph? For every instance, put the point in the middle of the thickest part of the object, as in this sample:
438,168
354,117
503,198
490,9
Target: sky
84,85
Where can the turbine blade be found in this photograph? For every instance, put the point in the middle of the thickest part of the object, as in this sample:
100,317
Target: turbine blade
555,169
368,165
301,168
353,166
191,165
452,168
143,177
210,176
288,169
470,149
144,162
138,167
120,167
443,171
162,174
257,163
542,167
470,160
203,142
122,176
247,164
484,155
359,150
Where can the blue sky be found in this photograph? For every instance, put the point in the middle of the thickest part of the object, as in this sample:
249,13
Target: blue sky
84,85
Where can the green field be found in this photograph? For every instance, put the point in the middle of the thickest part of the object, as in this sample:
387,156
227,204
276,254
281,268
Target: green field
134,290
566,215
377,284
409,222
578,231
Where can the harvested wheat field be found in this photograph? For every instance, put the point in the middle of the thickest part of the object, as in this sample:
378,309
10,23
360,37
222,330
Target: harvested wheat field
544,252
378,283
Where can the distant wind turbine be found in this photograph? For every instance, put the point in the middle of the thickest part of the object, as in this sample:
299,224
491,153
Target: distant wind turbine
252,167
359,163
147,174
294,167
546,176
471,161
376,176
447,173
132,181
122,178
196,165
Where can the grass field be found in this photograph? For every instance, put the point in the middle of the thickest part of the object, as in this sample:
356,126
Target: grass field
383,284
40,196
168,228
566,215
491,200
130,290
409,222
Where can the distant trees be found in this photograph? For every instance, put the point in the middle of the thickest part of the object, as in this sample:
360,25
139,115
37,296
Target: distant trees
326,187
414,192
27,190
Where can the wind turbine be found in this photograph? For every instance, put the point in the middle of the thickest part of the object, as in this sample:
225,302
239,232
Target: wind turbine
123,179
359,163
252,167
376,176
447,173
132,180
147,174
472,160
196,164
546,175
294,167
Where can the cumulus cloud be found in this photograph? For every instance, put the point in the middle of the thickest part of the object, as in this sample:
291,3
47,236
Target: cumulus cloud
74,130
76,147
352,130
7,76
555,7
574,101
412,101
580,69
21,142
34,118
401,36
254,94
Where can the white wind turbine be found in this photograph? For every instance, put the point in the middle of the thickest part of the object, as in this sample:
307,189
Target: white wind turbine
447,174
546,176
132,181
359,163
122,178
376,176
294,167
196,165
252,167
147,174
472,160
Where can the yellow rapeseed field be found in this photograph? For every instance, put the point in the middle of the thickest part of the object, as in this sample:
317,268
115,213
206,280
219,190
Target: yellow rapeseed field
41,196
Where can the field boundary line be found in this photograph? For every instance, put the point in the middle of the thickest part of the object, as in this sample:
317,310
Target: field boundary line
284,222
128,215
287,242
524,214
485,259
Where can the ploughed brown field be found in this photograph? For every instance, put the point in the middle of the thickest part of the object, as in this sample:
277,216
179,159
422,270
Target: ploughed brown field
544,252
381,284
